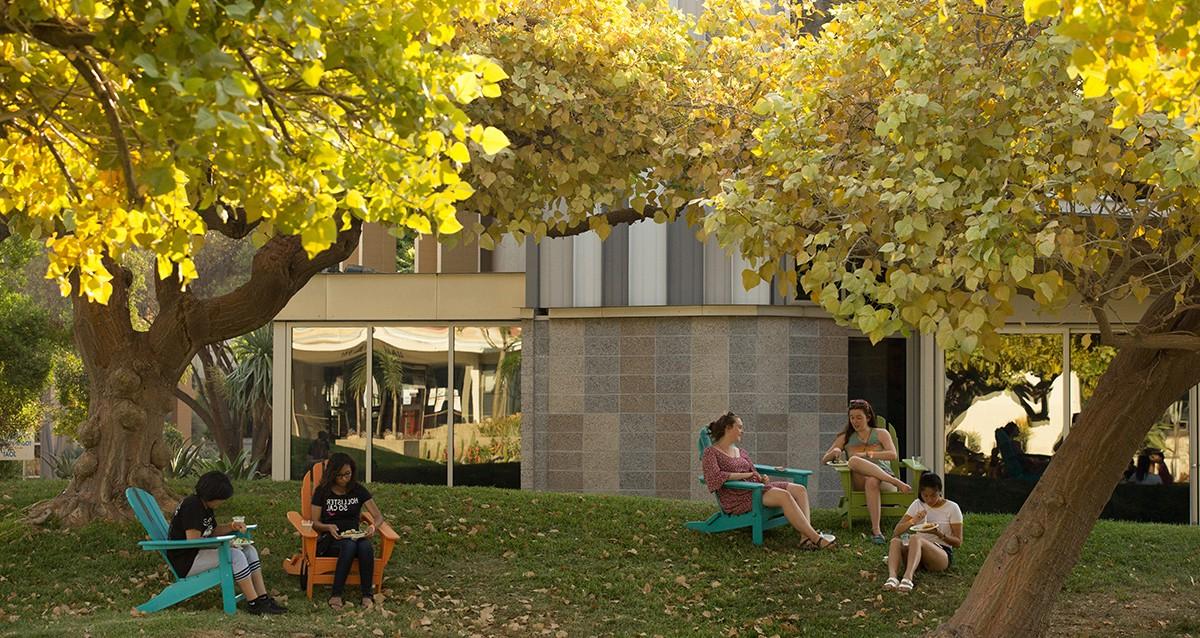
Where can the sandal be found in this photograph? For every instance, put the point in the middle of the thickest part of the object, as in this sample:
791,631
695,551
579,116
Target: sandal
905,585
827,542
808,545
878,539
891,583
336,603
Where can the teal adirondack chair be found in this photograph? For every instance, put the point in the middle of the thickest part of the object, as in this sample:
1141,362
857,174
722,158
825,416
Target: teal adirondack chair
1012,455
145,508
760,517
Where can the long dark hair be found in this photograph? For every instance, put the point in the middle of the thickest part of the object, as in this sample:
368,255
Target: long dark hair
717,428
1143,466
857,404
335,465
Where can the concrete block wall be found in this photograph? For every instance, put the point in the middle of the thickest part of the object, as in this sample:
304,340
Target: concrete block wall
614,405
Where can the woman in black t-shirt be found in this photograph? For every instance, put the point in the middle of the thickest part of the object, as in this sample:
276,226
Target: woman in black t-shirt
194,518
337,507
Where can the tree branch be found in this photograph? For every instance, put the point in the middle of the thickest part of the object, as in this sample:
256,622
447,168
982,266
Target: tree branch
614,217
195,406
91,74
279,270
233,226
55,32
268,95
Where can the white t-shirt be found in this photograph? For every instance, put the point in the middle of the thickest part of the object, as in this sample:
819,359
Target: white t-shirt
945,514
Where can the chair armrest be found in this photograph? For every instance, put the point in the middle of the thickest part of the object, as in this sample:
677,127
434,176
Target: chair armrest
743,485
297,522
841,469
194,543
799,476
385,530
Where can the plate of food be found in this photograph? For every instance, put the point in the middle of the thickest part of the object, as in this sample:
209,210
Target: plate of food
353,533
923,527
240,542
837,463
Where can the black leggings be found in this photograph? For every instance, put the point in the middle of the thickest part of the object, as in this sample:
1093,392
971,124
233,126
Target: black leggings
346,550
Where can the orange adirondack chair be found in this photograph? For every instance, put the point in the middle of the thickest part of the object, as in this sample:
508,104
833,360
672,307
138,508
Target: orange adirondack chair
319,570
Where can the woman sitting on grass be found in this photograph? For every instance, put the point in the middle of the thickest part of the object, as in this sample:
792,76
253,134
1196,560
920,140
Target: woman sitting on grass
337,507
870,451
194,518
931,548
724,461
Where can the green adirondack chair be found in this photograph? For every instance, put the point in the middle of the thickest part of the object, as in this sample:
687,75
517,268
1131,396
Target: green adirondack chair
760,517
853,503
145,508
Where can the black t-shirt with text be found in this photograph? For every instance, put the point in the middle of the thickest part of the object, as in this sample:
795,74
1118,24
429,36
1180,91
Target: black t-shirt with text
191,514
343,510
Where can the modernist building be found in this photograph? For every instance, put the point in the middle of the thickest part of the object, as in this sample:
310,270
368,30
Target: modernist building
615,353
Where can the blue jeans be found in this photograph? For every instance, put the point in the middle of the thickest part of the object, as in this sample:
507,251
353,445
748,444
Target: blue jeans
346,550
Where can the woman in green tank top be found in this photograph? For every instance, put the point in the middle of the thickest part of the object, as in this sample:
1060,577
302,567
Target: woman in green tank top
869,451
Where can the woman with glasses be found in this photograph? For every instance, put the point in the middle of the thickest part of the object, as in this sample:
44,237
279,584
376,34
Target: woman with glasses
869,451
724,461
337,507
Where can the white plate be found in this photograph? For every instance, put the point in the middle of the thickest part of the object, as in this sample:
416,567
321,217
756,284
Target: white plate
241,542
837,464
353,534
923,527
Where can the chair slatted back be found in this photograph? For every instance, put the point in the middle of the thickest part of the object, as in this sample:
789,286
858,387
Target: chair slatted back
883,423
311,480
703,442
145,508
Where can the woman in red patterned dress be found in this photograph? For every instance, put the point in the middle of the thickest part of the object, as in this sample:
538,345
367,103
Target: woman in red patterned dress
724,461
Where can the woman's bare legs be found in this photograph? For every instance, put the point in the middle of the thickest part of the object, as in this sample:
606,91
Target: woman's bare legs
775,497
799,493
924,551
896,555
871,476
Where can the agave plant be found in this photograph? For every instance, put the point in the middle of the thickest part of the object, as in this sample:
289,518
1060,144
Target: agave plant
186,459
63,463
242,467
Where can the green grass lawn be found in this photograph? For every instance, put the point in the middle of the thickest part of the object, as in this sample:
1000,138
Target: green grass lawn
488,562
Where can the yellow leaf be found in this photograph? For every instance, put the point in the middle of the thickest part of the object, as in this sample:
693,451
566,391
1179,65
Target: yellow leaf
494,140
458,152
312,73
355,200
750,279
448,224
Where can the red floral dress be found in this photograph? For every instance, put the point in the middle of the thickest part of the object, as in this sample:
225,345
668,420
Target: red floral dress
717,468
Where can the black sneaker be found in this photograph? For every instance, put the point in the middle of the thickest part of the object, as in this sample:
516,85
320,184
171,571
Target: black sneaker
263,605
274,605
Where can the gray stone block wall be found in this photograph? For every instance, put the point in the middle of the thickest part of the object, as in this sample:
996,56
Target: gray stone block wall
614,405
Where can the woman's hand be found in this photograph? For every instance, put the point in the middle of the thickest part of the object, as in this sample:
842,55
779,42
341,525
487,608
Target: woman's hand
238,527
755,477
833,453
333,531
370,531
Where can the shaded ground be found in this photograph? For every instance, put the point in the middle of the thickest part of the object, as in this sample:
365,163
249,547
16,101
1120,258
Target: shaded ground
489,562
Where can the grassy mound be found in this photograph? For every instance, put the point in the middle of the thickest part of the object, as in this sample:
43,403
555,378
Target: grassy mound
488,562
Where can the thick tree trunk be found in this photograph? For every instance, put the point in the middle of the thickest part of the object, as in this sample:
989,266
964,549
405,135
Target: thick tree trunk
132,390
261,439
133,374
224,426
1015,591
